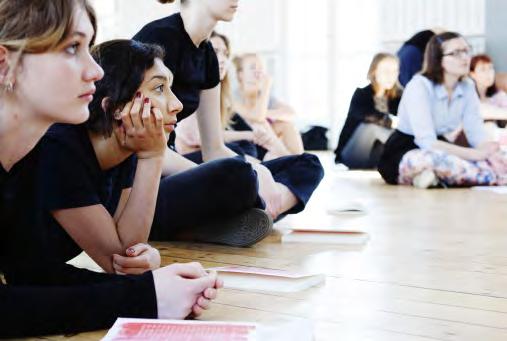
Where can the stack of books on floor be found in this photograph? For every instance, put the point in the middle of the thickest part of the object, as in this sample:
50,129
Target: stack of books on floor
326,235
264,279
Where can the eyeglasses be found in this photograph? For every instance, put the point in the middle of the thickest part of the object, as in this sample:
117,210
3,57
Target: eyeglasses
459,53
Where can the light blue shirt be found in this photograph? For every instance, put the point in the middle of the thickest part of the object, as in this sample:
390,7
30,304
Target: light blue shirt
426,112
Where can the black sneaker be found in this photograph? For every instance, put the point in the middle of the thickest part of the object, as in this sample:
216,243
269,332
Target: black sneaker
243,230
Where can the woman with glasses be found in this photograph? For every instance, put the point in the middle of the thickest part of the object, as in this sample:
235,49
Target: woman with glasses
435,105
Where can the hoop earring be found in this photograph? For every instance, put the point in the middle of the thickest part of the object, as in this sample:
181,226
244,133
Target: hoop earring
9,87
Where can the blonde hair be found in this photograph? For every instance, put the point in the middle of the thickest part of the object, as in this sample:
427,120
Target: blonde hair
38,26
226,111
238,60
377,59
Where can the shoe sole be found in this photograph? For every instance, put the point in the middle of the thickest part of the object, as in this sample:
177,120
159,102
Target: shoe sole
243,230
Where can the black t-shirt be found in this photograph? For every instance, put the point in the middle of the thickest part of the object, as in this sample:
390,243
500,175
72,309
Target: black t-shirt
61,172
194,68
62,299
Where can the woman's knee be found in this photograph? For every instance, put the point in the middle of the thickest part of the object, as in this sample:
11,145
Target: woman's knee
312,166
236,174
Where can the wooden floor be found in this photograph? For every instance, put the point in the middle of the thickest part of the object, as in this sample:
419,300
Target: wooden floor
435,267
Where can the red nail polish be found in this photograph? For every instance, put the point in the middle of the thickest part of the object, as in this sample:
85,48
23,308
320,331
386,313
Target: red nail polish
146,100
138,94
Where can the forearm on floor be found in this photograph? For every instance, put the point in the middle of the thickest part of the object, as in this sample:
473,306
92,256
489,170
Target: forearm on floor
134,224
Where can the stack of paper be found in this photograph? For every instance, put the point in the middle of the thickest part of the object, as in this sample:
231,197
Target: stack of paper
262,279
331,235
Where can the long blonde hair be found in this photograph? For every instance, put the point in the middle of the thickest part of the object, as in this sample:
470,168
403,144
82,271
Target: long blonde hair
38,26
377,59
226,111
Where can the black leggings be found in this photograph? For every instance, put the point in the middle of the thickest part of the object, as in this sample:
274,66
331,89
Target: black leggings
224,188
212,191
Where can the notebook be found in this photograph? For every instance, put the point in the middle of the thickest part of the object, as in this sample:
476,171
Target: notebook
263,279
126,329
331,235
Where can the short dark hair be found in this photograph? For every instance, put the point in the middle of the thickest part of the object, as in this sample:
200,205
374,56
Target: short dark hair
125,63
432,67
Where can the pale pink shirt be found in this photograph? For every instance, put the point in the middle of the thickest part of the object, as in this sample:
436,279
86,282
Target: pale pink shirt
188,139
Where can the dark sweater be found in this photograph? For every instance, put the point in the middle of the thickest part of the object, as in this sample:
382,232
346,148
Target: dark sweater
362,110
62,299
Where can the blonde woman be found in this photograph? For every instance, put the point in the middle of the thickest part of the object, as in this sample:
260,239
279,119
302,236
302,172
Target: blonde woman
47,76
301,174
263,112
369,121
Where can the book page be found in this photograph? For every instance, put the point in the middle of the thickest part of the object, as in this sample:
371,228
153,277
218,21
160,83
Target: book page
262,271
162,330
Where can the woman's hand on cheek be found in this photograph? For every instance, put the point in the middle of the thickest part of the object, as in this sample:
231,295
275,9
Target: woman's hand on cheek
144,129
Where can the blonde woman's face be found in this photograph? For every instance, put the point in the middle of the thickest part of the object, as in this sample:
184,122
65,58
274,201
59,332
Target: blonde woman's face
387,73
251,75
59,85
484,74
222,55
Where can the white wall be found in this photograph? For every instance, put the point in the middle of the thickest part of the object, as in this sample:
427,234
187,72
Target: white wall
496,34
318,51
124,18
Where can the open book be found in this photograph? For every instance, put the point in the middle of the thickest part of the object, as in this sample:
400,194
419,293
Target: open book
263,279
332,235
126,329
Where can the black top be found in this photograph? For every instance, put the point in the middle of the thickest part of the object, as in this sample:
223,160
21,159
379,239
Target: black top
238,123
61,172
411,55
62,299
194,68
420,39
362,110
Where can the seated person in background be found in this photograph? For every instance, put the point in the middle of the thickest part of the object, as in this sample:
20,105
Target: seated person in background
238,135
300,174
435,104
255,104
411,55
369,121
493,100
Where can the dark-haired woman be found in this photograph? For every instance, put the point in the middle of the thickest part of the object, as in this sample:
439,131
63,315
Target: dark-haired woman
433,107
411,55
196,83
55,84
